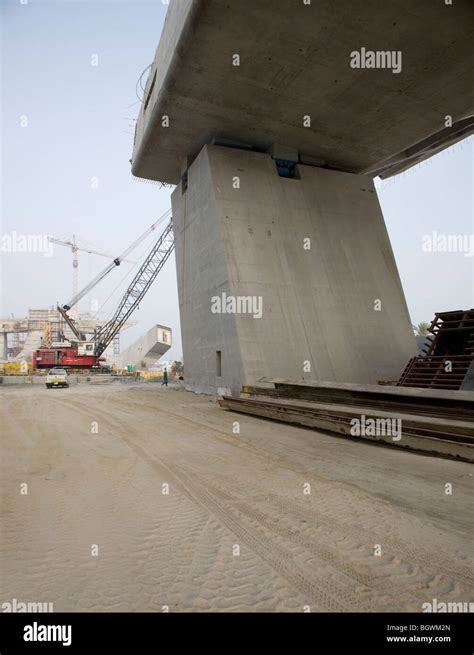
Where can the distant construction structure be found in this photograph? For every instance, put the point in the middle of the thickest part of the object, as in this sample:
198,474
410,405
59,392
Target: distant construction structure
20,337
146,351
56,338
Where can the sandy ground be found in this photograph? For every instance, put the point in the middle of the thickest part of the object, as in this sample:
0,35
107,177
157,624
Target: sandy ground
226,490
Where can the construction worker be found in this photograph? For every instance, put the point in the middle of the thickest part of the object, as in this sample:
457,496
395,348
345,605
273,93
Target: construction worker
165,378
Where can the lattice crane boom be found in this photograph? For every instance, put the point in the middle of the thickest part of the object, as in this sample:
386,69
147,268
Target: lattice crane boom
137,289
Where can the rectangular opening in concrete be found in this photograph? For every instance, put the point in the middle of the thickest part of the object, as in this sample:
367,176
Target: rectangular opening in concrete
184,182
218,363
287,168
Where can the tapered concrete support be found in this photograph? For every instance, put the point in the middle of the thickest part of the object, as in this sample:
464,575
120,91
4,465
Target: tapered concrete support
4,346
313,256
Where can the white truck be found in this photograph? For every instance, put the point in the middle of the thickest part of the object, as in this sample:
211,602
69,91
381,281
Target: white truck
57,377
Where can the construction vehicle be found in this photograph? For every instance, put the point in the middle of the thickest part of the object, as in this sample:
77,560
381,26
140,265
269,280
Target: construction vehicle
84,353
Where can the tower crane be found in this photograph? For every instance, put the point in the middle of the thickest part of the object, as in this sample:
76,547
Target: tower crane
116,262
75,260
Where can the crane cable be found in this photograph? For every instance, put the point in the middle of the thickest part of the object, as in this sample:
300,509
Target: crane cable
127,274
117,261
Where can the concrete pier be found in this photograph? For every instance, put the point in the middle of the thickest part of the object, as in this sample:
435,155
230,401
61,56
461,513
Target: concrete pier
284,277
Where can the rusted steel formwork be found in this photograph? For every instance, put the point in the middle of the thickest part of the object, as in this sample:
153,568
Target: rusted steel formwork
447,356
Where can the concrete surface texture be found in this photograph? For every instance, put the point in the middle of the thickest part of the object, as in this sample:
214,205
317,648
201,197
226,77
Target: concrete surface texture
3,346
148,349
32,342
295,61
468,382
390,391
225,489
334,311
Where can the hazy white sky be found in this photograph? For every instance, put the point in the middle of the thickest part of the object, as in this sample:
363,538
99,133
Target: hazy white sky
80,126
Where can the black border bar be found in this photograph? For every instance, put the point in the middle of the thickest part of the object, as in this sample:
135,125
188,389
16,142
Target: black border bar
221,631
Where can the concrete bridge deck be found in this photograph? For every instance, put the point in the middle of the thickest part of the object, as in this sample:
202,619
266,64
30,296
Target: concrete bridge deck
295,61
